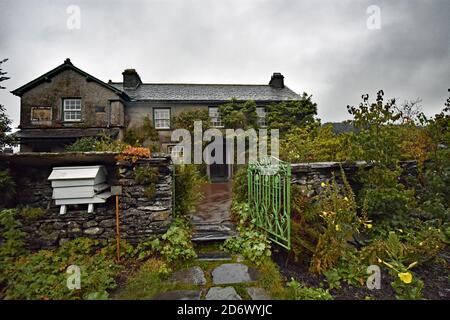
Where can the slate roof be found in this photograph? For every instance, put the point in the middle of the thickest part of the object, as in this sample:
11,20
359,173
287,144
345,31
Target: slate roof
67,65
206,92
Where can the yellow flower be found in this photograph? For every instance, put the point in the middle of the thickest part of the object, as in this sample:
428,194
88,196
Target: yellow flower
379,260
421,243
406,277
322,184
345,198
338,228
369,226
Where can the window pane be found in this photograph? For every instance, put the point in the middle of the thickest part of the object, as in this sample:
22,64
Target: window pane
72,109
162,118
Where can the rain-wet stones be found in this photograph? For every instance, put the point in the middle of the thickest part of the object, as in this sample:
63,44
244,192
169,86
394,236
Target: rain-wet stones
179,295
227,293
257,293
193,275
229,273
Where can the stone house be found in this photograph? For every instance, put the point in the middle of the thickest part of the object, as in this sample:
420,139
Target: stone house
67,103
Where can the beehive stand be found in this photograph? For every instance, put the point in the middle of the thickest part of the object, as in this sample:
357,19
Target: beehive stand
79,185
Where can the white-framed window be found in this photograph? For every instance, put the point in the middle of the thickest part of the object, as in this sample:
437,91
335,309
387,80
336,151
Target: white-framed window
177,153
161,118
214,115
261,114
72,109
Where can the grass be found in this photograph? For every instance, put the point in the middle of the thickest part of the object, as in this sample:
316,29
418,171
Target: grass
146,282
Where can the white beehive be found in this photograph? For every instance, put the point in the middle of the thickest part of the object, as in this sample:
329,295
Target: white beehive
79,185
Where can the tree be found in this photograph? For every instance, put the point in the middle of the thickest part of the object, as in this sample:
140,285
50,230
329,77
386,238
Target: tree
290,114
5,122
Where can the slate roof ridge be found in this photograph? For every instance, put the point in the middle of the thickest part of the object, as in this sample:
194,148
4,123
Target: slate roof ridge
198,84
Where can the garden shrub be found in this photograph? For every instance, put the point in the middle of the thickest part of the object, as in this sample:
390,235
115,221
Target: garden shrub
85,144
188,182
252,244
297,291
317,143
12,241
337,208
384,198
350,268
144,135
103,143
291,114
42,275
176,243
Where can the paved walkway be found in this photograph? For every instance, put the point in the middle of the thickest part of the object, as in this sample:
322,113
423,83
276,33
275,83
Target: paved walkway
212,220
224,279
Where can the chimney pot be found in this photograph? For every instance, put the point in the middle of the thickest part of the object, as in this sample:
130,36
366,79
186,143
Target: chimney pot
131,79
277,80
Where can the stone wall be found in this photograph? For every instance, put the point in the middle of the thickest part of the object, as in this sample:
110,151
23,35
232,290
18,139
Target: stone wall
140,217
309,176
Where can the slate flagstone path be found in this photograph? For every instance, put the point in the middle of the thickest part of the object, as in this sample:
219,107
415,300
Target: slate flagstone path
227,274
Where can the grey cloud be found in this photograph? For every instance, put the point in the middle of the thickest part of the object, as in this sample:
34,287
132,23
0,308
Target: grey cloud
322,47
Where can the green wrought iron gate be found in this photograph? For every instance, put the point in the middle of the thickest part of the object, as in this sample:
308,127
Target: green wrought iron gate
269,198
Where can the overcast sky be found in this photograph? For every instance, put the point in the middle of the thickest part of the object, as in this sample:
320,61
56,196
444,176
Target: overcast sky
322,47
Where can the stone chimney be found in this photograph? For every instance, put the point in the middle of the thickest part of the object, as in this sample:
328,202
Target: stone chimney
277,81
131,79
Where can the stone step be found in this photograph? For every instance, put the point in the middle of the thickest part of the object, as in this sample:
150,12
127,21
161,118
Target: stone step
212,232
214,256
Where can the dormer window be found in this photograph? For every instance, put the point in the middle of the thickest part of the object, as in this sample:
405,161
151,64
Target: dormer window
72,110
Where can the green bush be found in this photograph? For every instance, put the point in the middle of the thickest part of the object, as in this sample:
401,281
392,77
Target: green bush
12,241
350,269
299,292
42,275
103,143
337,207
188,182
176,243
252,244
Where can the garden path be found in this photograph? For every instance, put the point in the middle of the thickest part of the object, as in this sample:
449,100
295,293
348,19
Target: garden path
212,219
